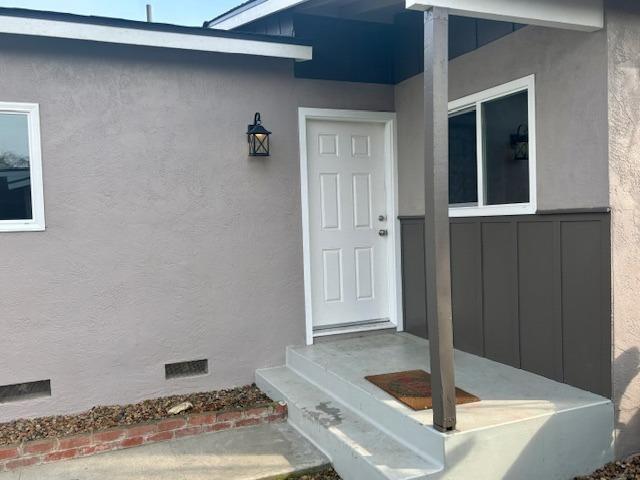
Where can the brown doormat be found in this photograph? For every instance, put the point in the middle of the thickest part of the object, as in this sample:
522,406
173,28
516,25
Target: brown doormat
413,388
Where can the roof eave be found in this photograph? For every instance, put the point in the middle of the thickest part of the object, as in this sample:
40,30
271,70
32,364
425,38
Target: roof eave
583,15
252,11
151,38
232,12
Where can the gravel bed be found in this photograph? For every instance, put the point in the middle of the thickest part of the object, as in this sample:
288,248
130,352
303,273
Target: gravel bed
328,474
627,470
101,418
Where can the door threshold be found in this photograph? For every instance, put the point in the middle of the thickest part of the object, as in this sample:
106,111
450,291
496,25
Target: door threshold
355,327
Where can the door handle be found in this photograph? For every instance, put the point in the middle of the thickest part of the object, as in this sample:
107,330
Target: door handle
383,233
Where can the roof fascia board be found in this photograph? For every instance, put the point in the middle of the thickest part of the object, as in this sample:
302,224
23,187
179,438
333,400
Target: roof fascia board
151,38
241,17
581,15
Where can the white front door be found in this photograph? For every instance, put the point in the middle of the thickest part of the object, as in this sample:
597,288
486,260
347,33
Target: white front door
348,223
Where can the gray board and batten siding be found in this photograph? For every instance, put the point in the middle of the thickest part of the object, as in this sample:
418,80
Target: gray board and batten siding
530,291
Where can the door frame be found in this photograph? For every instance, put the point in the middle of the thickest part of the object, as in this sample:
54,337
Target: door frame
394,277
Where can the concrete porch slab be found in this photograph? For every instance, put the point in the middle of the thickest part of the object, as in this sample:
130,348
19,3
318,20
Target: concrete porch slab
253,453
507,394
525,427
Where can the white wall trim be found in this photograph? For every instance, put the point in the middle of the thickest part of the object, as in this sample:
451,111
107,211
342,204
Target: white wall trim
474,101
150,38
36,223
582,15
391,185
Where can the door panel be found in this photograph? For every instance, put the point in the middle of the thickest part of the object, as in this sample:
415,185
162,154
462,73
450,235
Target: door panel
347,197
364,273
362,200
330,200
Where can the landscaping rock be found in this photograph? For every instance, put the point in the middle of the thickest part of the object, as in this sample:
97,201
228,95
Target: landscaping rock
325,474
181,407
627,470
104,417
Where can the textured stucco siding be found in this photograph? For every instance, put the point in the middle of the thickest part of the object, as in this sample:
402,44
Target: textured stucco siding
571,108
164,241
623,32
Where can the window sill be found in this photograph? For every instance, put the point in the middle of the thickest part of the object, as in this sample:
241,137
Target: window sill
21,227
492,210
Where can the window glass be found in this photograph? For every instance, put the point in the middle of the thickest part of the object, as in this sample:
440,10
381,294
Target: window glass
506,175
463,168
15,176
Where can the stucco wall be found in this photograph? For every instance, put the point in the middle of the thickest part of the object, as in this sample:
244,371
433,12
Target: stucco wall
164,242
623,21
571,107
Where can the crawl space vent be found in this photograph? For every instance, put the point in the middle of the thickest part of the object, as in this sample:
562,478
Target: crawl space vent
25,391
186,369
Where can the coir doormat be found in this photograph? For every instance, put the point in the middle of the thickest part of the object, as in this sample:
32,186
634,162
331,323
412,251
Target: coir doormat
413,388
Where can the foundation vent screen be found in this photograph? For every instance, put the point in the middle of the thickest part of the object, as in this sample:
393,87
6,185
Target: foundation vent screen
25,391
186,369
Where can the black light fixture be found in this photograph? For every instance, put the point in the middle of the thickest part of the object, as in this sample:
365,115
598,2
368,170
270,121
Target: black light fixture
258,138
520,143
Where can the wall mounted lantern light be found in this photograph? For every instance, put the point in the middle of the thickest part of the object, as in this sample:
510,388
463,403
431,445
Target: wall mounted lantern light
258,138
520,143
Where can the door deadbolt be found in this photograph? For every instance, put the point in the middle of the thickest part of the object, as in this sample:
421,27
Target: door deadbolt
381,218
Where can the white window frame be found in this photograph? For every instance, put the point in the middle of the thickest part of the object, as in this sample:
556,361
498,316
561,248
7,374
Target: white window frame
36,223
475,101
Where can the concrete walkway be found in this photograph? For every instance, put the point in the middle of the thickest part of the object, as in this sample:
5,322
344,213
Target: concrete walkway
254,453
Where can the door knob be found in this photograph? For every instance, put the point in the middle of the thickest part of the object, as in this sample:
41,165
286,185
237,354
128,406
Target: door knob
383,233
381,218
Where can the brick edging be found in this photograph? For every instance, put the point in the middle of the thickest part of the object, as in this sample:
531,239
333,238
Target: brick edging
86,444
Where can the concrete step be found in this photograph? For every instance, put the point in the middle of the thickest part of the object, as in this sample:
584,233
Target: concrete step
389,416
357,448
525,427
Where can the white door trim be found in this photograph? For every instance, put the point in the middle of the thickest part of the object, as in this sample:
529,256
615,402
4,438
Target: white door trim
388,119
